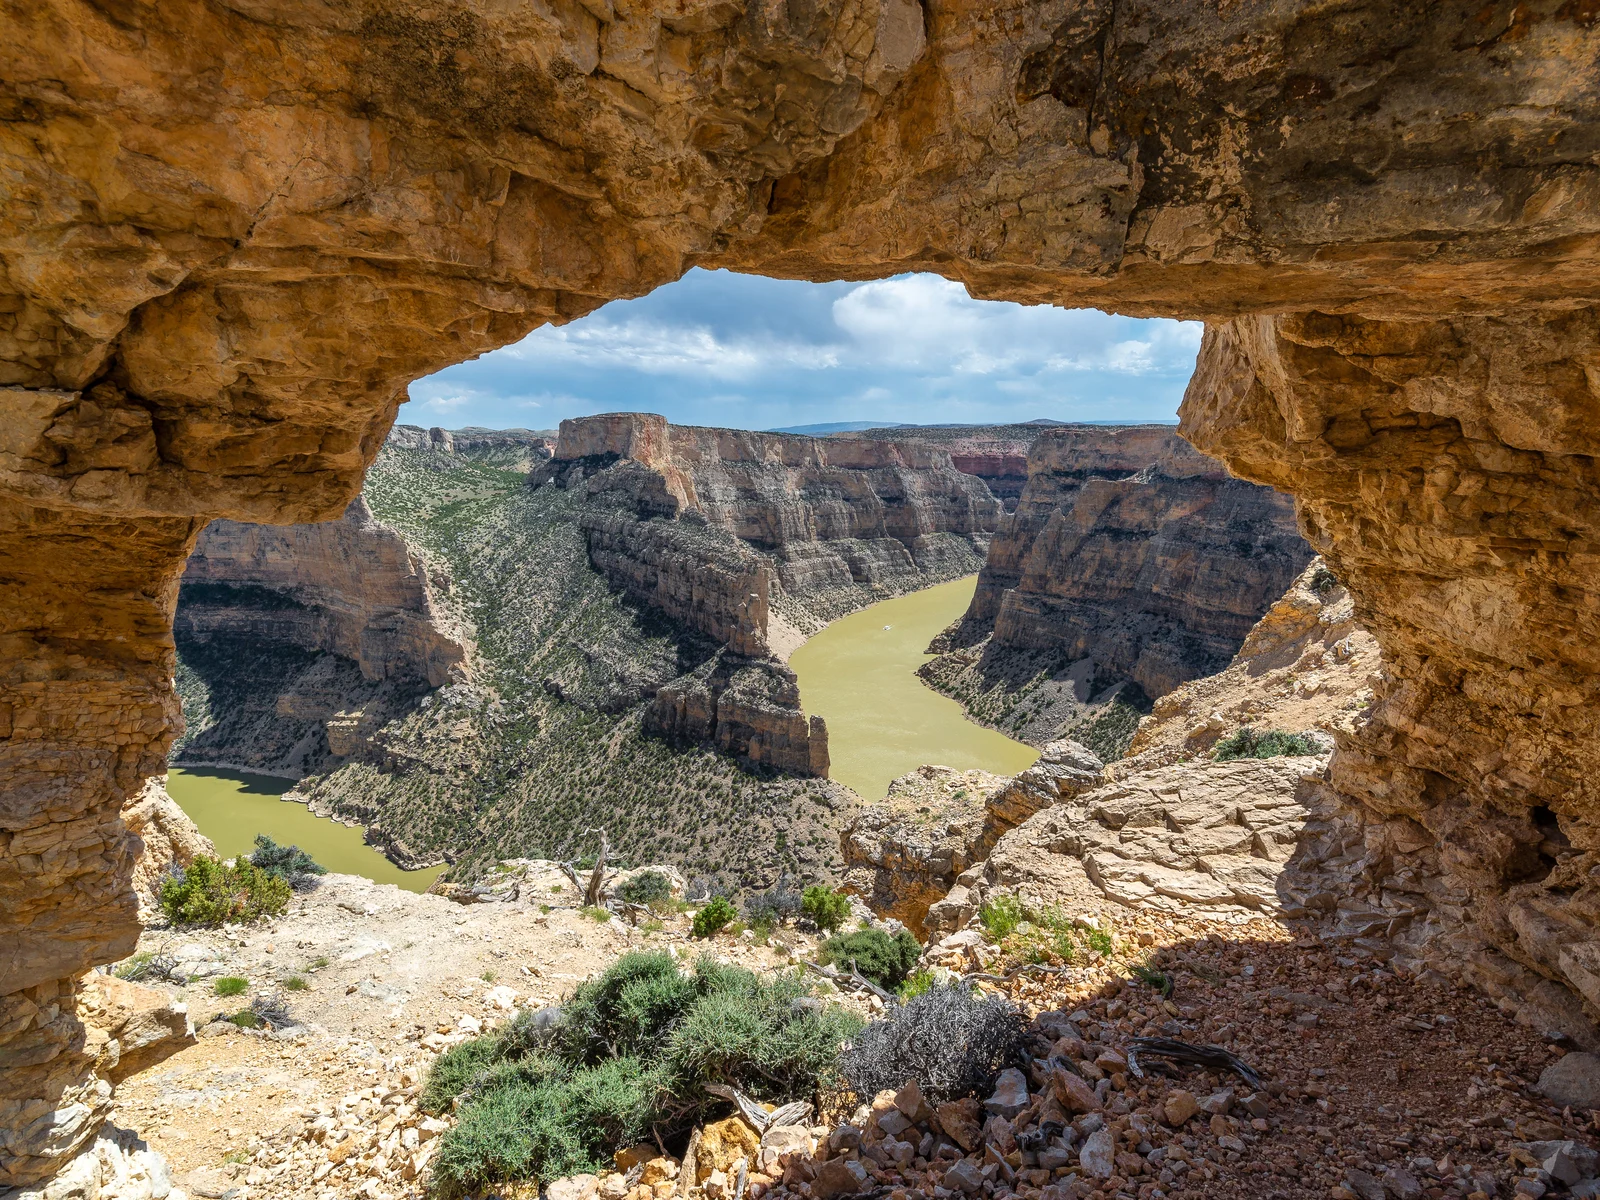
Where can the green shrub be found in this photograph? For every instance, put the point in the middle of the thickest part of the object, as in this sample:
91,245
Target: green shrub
649,889
289,863
595,913
1246,742
1001,916
918,983
295,984
627,1060
210,892
230,985
713,917
245,1019
827,908
883,959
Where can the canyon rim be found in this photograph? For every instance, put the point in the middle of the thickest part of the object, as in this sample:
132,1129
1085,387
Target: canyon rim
232,234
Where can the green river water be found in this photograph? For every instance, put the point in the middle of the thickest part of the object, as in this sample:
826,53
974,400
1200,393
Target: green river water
859,674
231,807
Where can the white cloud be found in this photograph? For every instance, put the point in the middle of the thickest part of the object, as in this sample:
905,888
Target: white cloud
654,348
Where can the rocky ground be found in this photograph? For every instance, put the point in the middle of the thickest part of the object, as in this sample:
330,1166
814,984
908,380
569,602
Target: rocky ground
326,1107
1375,1083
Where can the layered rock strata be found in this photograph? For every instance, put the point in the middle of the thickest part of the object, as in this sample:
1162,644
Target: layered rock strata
996,454
67,1044
750,539
749,708
513,449
1446,471
213,296
816,526
1214,836
350,587
1130,548
298,642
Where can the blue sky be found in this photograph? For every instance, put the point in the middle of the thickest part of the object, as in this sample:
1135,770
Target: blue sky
717,348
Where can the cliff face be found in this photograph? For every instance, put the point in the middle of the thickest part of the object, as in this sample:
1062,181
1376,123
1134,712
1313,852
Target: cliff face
1307,665
813,526
1446,471
297,641
213,297
1157,575
752,540
996,454
905,853
1131,559
353,588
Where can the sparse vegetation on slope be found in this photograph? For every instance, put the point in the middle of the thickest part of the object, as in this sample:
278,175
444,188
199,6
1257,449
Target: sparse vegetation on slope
544,742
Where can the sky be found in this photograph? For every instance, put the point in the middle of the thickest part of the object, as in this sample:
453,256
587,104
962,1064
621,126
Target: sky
716,348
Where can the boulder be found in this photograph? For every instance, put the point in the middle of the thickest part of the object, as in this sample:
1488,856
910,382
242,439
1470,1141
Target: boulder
1572,1081
722,1145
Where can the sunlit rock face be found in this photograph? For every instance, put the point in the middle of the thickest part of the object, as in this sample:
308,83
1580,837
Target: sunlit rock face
232,233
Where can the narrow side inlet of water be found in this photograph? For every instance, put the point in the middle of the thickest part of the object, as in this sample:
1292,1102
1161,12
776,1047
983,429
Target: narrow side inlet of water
859,675
231,807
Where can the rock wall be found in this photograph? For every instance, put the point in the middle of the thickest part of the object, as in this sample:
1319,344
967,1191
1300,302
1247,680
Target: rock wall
752,539
1446,471
1307,666
905,853
213,296
996,454
1210,835
823,525
350,587
744,707
1130,548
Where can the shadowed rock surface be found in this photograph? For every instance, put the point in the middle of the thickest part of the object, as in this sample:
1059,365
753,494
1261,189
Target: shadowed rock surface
232,234
1130,560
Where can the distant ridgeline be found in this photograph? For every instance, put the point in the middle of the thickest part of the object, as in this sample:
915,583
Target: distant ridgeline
510,640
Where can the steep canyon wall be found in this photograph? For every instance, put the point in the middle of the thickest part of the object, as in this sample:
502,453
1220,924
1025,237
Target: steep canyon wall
833,523
1446,470
231,235
753,540
1130,558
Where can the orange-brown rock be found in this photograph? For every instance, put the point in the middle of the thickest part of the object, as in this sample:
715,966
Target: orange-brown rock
1446,471
1130,548
168,838
232,233
351,587
721,527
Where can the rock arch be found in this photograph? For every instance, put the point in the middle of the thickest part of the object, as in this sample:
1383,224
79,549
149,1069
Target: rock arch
233,230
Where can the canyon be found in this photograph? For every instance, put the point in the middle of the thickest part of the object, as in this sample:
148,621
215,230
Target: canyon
215,293
1131,564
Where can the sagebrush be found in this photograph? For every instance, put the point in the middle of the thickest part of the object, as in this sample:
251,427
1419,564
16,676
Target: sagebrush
1246,742
625,1060
289,863
952,1041
648,889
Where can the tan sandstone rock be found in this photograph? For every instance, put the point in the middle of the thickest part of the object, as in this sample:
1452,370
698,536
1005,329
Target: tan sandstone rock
213,297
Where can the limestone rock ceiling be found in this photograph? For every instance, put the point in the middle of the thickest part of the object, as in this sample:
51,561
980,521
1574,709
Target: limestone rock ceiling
232,231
